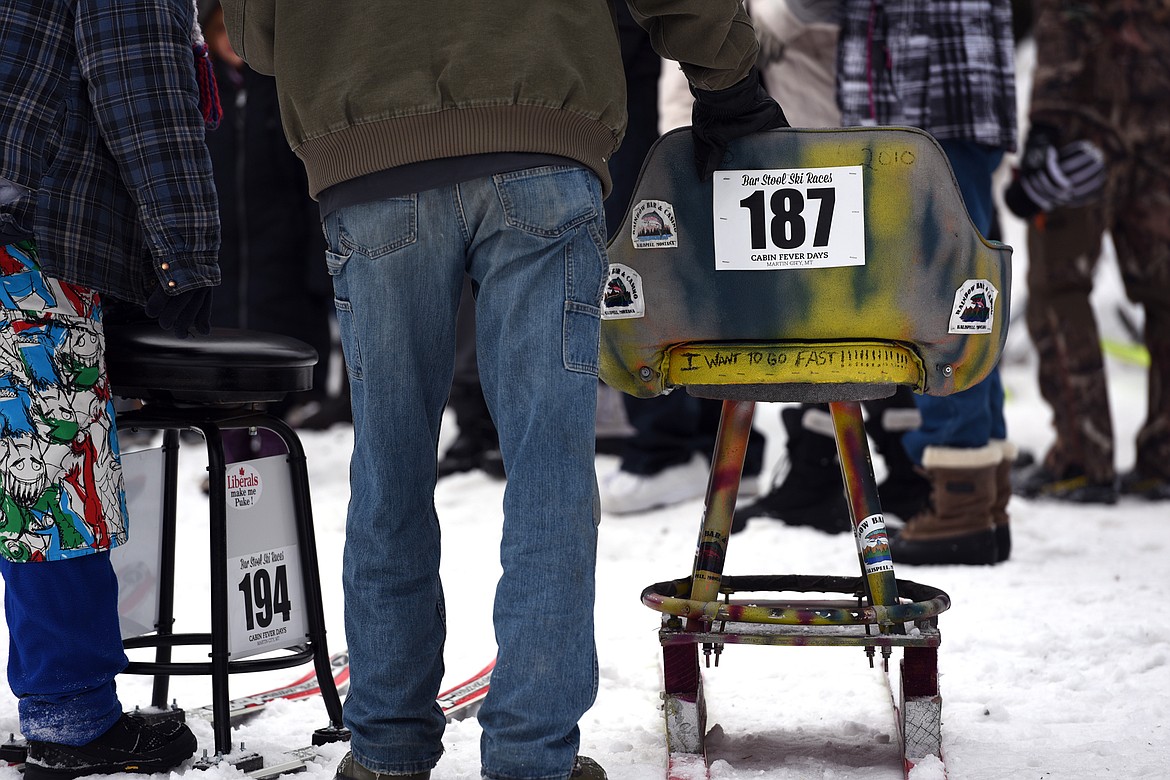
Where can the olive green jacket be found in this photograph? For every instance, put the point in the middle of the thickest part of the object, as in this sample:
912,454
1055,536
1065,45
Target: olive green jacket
371,86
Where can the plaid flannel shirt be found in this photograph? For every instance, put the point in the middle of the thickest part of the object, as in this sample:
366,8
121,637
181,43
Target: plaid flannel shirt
102,154
944,66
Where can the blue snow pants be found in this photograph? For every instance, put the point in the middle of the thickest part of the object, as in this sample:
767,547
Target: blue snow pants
64,646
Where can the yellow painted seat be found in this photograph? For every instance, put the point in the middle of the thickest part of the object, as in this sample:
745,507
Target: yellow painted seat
926,305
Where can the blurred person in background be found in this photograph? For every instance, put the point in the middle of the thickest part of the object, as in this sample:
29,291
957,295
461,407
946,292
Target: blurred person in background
274,278
947,67
1097,159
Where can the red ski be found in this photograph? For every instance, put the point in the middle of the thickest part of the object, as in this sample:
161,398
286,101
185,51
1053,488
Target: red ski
464,699
301,688
457,702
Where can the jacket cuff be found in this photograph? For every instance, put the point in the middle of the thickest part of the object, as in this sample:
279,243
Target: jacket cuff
1018,202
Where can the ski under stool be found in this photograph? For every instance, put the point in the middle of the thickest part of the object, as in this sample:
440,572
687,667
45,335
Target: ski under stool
823,266
265,592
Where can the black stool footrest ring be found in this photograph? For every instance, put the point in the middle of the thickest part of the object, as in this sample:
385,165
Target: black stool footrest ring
293,656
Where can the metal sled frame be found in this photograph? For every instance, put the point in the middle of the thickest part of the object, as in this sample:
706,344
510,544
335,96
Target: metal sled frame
838,335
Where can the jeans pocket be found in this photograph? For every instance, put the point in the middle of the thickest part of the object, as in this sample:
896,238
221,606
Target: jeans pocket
336,262
347,329
586,267
379,227
581,337
546,201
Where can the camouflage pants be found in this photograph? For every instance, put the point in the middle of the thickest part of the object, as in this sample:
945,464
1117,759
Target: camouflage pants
1063,251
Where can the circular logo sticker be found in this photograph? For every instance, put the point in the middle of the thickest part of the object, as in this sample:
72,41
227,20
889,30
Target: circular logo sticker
243,487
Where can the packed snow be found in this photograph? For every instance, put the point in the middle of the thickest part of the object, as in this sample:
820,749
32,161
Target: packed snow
1055,664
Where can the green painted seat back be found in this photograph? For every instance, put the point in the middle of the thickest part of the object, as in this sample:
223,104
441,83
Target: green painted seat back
930,283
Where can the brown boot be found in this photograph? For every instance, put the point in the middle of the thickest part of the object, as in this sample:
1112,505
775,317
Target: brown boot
1003,494
957,527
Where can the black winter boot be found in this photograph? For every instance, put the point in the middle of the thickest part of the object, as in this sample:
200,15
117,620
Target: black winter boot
130,745
477,445
905,491
473,449
350,769
1072,485
585,768
812,492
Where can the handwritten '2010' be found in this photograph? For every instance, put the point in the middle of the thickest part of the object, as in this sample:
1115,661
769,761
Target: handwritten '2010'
787,226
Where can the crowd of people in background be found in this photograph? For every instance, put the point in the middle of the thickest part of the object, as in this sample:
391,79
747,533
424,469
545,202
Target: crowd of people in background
1074,182
1087,152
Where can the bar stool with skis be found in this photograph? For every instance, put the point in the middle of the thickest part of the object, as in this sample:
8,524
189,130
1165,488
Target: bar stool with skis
265,592
824,266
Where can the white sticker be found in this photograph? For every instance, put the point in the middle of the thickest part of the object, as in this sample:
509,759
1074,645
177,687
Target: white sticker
793,218
267,607
874,545
244,486
267,611
623,294
653,226
974,307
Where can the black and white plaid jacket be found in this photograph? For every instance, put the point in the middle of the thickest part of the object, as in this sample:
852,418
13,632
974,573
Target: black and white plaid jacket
102,157
944,66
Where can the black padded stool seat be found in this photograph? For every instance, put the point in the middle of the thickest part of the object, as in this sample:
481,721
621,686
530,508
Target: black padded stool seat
227,367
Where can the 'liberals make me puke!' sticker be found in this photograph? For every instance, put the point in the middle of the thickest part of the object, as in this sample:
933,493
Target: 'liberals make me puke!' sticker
244,486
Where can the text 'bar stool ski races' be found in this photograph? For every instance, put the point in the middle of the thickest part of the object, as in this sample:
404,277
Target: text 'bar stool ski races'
824,266
265,592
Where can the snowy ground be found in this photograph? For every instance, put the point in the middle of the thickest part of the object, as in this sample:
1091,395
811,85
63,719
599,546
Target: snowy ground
1053,665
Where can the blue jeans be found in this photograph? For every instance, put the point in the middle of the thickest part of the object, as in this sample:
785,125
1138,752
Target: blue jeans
971,417
64,646
533,243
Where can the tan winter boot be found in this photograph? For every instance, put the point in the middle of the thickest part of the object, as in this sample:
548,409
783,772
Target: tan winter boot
957,527
1003,494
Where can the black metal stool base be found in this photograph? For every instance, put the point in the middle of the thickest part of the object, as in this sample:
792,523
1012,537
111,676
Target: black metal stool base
211,385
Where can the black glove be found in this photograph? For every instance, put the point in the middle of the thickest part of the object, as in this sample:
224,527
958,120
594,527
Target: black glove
1048,178
182,313
721,116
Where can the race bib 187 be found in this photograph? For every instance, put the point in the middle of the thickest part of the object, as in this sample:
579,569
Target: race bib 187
793,218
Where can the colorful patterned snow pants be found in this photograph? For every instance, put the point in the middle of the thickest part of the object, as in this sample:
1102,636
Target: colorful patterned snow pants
63,504
62,493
